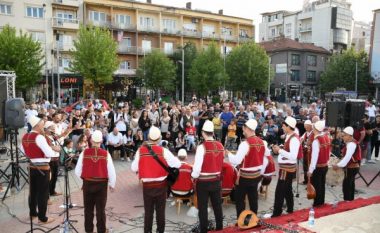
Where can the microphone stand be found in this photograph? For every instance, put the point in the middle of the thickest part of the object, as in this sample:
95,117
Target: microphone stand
67,223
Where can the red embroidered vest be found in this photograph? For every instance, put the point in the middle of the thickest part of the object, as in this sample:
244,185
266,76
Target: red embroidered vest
287,146
94,163
271,167
255,156
356,157
148,166
324,149
184,182
213,157
228,176
32,151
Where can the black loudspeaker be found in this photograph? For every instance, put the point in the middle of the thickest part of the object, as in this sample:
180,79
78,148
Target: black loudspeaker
354,114
335,114
14,113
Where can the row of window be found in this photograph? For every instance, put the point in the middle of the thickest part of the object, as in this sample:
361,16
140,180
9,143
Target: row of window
30,11
311,76
311,60
65,64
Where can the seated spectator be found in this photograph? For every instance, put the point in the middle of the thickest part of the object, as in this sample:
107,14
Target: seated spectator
190,136
183,187
180,142
229,175
138,139
270,131
115,142
68,155
129,144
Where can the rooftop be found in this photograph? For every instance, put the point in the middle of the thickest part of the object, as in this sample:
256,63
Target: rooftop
284,44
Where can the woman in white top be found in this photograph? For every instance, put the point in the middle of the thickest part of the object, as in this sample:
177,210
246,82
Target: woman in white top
165,119
134,123
120,121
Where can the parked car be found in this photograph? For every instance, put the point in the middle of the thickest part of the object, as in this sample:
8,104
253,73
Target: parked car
86,104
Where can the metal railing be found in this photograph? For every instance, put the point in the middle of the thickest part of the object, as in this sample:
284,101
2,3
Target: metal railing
65,23
191,33
123,26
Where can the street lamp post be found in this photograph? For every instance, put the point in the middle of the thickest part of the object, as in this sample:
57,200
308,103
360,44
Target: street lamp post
46,54
269,61
183,76
356,78
58,75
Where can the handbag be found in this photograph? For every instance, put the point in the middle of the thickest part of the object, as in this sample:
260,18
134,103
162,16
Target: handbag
173,172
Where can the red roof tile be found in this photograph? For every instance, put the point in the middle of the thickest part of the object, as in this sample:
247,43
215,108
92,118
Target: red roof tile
288,44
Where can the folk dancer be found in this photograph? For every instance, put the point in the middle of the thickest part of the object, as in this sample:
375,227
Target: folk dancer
207,170
250,155
153,176
36,148
97,171
350,163
287,161
320,155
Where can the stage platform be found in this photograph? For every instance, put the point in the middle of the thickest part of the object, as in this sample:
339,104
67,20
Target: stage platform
358,216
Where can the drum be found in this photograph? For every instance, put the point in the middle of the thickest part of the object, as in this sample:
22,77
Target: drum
334,177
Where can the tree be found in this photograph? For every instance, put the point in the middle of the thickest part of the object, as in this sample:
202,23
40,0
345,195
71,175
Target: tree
207,71
157,72
21,54
341,69
190,54
95,55
247,67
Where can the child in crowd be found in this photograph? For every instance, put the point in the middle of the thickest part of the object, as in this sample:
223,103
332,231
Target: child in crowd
231,135
217,126
190,136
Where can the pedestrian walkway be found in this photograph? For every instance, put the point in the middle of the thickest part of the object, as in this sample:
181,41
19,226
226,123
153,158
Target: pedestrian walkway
125,206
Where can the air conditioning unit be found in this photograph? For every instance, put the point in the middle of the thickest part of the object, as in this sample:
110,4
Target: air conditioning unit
194,20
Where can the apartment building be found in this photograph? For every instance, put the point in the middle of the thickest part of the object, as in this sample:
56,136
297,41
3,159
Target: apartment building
361,36
374,55
326,23
138,28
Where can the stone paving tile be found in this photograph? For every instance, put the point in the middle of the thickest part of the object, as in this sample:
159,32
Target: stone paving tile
125,205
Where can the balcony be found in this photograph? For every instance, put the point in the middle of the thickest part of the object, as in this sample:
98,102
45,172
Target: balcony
73,3
245,38
148,29
64,47
123,26
212,35
61,23
64,70
125,49
228,37
128,72
305,29
99,23
171,31
191,33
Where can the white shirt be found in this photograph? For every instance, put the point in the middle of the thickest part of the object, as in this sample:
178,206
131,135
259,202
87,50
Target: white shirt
44,146
115,139
351,147
168,156
128,139
371,111
30,112
120,125
291,156
242,151
314,155
54,143
110,169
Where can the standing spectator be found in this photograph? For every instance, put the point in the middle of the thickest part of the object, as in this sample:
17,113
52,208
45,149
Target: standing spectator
371,109
217,126
241,117
165,120
134,124
367,152
174,126
129,145
203,116
231,136
120,121
77,125
376,138
145,123
226,118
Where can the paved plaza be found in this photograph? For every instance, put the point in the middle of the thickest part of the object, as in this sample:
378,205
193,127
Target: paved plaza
125,206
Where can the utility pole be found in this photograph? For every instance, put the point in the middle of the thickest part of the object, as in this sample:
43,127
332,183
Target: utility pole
183,76
269,61
46,54
356,78
58,76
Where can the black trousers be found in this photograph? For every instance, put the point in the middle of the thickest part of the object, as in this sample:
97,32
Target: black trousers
54,165
283,192
349,183
224,134
121,148
95,196
39,193
239,134
305,166
318,180
376,146
154,199
246,187
212,190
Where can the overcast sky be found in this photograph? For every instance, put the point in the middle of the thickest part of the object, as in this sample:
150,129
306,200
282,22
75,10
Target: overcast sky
252,9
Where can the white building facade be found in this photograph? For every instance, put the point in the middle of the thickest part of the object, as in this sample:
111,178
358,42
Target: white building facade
361,36
326,23
374,57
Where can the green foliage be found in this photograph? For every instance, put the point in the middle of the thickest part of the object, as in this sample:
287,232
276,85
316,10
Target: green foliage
95,55
207,71
190,55
247,67
340,72
157,72
21,54
137,103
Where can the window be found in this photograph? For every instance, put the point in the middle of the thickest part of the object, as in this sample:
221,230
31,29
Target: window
147,45
225,49
273,32
146,22
65,40
98,16
168,47
295,75
65,17
312,60
227,31
123,19
243,33
288,28
35,12
125,65
5,9
169,24
296,60
64,62
208,30
126,41
311,76
38,36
